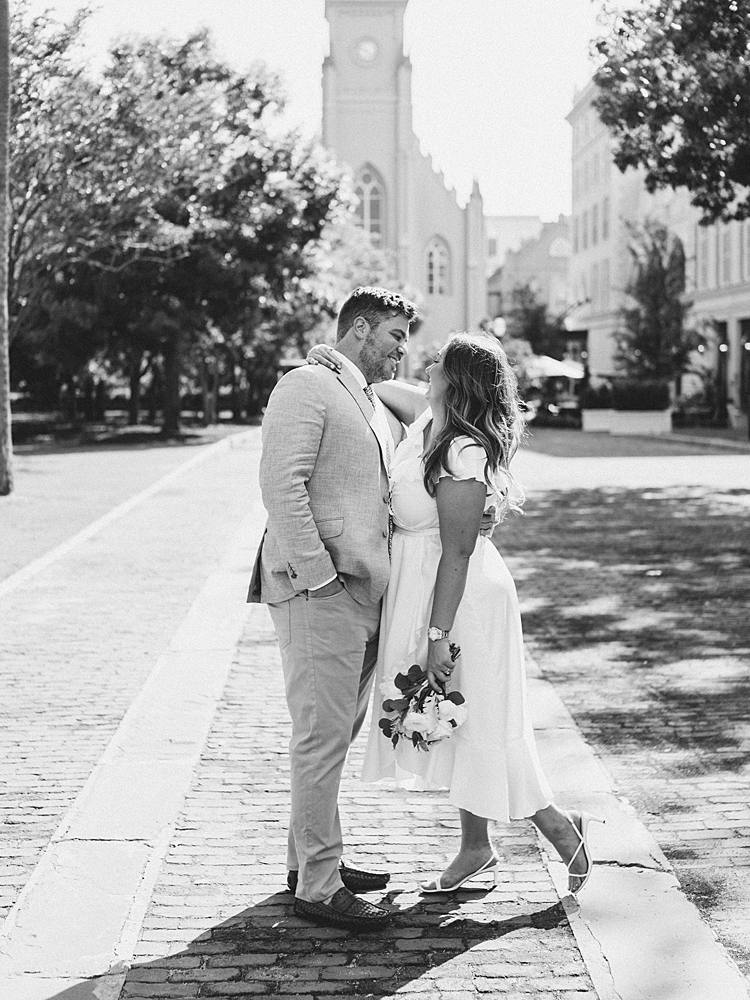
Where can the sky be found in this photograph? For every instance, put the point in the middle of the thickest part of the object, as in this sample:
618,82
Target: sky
492,79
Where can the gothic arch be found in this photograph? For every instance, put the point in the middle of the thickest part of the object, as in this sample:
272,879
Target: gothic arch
438,267
369,188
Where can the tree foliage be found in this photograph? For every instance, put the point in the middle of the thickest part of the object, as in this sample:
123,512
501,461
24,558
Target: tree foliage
6,448
163,219
654,342
674,90
528,319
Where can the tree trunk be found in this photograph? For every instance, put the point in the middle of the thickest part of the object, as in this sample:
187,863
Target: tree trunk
172,372
209,391
154,390
6,442
134,404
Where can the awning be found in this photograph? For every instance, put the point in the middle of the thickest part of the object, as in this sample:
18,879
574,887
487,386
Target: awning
541,366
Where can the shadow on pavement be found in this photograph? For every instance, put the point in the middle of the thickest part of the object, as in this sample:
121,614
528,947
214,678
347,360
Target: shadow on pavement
636,603
267,945
650,588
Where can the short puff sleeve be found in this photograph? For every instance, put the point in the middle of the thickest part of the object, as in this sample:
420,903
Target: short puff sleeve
468,460
465,460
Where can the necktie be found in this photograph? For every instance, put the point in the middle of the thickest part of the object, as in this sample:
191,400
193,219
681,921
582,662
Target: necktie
384,435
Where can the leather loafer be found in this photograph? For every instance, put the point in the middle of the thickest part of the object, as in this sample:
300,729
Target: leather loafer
344,910
354,880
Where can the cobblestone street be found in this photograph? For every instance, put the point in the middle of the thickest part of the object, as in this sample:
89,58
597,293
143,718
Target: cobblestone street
225,871
145,778
636,604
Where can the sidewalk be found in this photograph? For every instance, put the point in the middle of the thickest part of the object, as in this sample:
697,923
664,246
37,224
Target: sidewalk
151,782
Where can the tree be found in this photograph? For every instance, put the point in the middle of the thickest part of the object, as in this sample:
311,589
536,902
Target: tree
654,342
674,91
6,445
529,320
162,218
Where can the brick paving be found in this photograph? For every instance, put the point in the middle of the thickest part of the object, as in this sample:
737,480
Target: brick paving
220,924
635,605
670,725
78,640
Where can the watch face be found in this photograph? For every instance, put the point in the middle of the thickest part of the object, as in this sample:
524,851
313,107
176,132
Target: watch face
366,50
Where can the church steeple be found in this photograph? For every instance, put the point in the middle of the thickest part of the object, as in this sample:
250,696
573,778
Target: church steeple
367,101
402,202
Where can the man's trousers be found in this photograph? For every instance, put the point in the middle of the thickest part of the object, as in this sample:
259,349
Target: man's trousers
328,652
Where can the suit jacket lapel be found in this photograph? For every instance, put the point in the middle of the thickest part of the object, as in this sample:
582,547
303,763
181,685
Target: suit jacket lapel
357,393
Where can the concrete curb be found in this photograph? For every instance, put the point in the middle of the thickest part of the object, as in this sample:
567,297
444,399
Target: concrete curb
74,927
704,442
639,936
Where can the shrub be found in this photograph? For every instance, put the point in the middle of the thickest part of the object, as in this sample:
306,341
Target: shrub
640,394
599,398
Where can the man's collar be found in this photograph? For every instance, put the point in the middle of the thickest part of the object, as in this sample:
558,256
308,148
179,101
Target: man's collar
361,380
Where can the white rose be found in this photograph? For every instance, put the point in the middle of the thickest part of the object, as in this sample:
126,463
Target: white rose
447,711
420,722
442,730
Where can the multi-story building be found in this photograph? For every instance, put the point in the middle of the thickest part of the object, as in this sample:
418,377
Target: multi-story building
507,232
605,203
437,245
599,259
721,303
542,264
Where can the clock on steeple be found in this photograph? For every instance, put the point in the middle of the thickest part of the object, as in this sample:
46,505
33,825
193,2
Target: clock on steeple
366,50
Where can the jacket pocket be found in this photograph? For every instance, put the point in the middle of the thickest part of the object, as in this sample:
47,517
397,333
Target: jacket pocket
330,527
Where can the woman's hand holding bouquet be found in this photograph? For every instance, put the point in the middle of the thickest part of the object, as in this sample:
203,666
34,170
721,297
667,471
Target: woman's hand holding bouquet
420,712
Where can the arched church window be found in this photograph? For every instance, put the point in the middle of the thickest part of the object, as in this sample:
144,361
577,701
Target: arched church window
438,267
370,193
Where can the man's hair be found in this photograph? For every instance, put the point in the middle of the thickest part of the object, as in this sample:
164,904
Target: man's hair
374,304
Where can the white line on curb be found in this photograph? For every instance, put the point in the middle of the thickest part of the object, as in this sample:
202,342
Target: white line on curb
21,576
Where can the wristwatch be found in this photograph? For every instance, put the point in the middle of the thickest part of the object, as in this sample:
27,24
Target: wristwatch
435,634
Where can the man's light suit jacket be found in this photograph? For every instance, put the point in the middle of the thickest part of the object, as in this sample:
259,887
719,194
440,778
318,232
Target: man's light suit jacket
325,487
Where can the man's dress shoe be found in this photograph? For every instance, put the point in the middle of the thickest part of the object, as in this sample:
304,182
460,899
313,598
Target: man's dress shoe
353,879
344,910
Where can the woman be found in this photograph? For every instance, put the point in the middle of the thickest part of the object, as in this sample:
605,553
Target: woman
449,585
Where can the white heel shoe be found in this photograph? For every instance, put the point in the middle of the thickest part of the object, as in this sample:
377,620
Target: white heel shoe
581,828
489,866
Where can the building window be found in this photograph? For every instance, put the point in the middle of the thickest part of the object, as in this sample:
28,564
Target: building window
605,219
575,233
585,230
594,225
586,175
438,267
370,193
595,170
492,248
604,284
595,300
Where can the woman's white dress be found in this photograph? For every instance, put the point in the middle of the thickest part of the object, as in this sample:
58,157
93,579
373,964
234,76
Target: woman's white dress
490,763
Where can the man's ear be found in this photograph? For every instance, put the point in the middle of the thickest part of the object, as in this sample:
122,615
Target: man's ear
361,327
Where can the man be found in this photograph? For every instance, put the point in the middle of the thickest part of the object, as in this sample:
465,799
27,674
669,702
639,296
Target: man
322,568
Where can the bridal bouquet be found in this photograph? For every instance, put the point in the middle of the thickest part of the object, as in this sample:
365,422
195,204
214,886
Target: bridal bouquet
419,714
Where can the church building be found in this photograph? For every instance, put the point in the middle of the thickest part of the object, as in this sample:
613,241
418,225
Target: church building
404,204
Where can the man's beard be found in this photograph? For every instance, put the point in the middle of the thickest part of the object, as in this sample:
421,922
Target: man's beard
374,366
